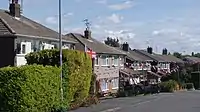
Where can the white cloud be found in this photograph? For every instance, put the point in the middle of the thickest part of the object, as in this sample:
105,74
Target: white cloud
54,19
51,20
101,1
164,31
73,30
175,34
115,18
68,14
121,6
122,35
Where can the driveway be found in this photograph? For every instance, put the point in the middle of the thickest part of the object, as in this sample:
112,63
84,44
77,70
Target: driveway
165,102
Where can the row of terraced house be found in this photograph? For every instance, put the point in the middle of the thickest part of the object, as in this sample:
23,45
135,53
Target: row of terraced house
20,35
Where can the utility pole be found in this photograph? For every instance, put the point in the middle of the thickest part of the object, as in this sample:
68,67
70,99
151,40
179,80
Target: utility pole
60,46
199,76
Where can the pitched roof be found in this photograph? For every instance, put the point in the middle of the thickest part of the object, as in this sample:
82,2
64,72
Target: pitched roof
138,57
133,55
192,59
95,45
25,27
4,29
171,58
152,56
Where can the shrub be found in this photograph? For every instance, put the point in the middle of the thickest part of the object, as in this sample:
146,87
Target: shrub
77,72
33,88
168,86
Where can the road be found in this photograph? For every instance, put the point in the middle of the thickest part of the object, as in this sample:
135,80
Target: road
165,102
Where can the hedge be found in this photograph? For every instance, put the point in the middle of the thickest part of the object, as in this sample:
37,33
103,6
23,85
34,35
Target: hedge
33,88
77,72
168,86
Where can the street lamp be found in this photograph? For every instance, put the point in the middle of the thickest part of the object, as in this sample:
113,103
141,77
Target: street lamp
60,46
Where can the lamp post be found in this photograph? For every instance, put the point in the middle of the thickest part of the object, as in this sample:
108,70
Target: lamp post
199,76
60,46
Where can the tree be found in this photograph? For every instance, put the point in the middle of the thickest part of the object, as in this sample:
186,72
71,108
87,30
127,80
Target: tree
197,55
178,55
112,42
192,53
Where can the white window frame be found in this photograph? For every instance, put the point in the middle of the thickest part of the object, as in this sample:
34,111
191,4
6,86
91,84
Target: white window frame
96,60
23,44
121,61
105,84
115,61
115,83
106,59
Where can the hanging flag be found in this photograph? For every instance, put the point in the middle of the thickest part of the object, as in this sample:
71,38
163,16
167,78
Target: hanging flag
91,53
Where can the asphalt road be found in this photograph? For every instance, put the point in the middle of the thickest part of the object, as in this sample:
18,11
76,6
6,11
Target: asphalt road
165,102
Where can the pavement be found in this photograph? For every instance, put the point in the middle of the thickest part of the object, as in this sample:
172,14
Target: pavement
184,101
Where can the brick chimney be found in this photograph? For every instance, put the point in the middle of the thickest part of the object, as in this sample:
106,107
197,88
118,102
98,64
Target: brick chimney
125,46
87,34
164,51
14,8
150,50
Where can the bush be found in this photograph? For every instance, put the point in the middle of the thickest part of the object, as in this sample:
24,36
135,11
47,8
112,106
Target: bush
77,72
32,88
168,86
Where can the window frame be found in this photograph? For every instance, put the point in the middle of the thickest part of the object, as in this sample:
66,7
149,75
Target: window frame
96,61
23,48
106,60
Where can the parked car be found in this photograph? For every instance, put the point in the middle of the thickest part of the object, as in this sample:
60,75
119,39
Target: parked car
136,89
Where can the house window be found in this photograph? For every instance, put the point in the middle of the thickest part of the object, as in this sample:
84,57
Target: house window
115,60
121,61
104,85
96,61
18,50
23,49
115,83
105,60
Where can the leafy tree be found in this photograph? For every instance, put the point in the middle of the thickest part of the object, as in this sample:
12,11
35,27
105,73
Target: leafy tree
178,55
112,42
192,53
197,55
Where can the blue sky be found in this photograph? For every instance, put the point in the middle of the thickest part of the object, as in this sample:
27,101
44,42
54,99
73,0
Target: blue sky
174,24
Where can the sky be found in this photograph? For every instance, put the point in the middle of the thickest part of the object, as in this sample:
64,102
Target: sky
171,24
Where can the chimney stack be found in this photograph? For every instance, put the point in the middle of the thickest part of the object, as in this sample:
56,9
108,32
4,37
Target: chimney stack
125,47
164,51
14,8
150,50
87,34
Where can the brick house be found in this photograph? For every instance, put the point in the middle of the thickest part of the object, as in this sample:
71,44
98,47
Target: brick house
107,63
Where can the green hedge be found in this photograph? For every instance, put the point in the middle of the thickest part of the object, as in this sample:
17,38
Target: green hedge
168,86
77,72
33,88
